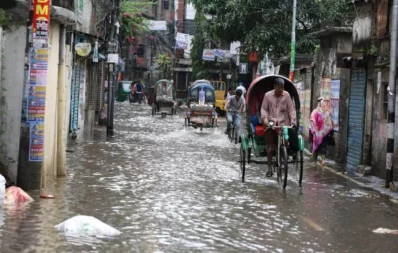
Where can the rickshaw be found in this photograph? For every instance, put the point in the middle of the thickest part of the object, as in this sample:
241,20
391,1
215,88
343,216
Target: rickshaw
123,91
165,102
201,111
254,140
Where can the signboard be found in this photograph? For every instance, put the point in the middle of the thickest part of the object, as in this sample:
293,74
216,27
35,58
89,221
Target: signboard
113,58
83,49
208,55
243,68
155,25
235,47
41,20
36,86
96,53
182,41
218,52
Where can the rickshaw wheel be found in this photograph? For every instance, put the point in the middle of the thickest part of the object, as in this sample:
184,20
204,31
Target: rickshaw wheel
283,167
242,162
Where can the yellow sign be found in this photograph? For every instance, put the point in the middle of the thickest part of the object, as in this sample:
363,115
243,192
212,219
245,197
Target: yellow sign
83,49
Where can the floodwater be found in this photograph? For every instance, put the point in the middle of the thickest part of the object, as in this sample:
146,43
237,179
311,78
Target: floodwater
171,189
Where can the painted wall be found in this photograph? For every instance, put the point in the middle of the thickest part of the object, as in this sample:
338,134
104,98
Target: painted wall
12,79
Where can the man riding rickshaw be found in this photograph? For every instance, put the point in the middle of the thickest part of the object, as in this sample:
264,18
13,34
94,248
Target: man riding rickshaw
273,112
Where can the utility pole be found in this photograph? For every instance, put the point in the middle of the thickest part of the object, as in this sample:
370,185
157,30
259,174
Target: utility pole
293,44
112,62
391,98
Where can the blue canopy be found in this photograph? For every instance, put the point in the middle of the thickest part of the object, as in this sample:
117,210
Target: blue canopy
193,91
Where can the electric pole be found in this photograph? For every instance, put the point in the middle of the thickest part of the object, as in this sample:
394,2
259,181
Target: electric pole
293,44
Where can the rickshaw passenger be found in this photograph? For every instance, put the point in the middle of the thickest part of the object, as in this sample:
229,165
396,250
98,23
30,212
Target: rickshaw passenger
278,107
235,106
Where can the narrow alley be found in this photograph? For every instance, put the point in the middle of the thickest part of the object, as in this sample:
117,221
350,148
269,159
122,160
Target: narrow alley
171,189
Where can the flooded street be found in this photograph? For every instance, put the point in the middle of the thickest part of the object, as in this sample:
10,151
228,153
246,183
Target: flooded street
171,189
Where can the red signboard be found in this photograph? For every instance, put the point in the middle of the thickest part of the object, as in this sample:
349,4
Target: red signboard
41,19
253,56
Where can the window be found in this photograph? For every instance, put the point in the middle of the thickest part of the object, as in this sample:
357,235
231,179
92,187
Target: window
166,4
384,102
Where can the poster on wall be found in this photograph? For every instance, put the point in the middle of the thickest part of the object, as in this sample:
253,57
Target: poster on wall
36,142
37,79
334,102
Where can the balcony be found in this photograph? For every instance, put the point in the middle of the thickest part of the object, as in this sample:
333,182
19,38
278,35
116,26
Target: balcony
66,4
63,11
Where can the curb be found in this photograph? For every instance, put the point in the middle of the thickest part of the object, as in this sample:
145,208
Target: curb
364,185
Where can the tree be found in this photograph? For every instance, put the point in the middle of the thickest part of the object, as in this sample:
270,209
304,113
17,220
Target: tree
164,65
265,25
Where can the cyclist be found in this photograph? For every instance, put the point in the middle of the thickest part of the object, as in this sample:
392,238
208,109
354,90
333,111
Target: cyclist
234,106
242,88
139,88
278,107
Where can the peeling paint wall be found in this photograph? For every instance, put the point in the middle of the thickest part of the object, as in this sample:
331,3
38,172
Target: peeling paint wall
12,60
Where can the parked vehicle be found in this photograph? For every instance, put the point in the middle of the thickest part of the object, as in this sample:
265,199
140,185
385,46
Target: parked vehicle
220,88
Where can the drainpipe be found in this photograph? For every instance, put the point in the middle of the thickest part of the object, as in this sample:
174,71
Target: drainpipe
391,98
61,117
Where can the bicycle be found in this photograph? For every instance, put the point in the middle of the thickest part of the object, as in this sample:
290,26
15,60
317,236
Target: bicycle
282,155
232,133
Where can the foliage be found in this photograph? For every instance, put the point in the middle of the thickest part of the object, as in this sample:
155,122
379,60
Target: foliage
164,65
133,22
4,18
265,25
202,36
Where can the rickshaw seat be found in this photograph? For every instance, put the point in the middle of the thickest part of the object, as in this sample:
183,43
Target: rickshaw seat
257,127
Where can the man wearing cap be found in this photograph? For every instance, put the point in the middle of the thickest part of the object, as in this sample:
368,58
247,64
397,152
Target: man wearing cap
277,107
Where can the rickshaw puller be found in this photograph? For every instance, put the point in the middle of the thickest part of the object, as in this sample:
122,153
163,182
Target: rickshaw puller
278,107
234,106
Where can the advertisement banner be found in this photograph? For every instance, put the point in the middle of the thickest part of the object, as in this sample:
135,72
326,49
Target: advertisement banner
41,19
182,41
35,92
155,25
36,142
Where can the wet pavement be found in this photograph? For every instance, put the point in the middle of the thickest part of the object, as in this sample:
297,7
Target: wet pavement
171,189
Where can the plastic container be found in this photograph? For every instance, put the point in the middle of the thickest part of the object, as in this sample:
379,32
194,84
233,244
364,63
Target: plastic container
2,190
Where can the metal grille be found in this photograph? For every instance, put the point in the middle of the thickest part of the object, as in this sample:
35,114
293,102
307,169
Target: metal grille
356,118
99,91
90,88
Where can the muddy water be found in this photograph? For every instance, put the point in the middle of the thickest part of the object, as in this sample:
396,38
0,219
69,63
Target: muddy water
171,189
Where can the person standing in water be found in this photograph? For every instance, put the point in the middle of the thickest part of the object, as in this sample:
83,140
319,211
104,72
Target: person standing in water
321,125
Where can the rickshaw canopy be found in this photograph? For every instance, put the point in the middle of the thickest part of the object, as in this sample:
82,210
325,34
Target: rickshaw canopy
165,88
263,84
193,91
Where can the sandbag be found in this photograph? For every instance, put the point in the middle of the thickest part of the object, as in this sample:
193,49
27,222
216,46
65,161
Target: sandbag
86,225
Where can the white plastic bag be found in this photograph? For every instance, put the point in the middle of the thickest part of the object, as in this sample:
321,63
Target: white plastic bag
86,225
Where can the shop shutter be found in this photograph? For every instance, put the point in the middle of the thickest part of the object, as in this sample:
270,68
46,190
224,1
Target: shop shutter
356,119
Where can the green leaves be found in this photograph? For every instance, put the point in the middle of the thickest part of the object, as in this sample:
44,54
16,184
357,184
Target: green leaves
266,25
4,18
